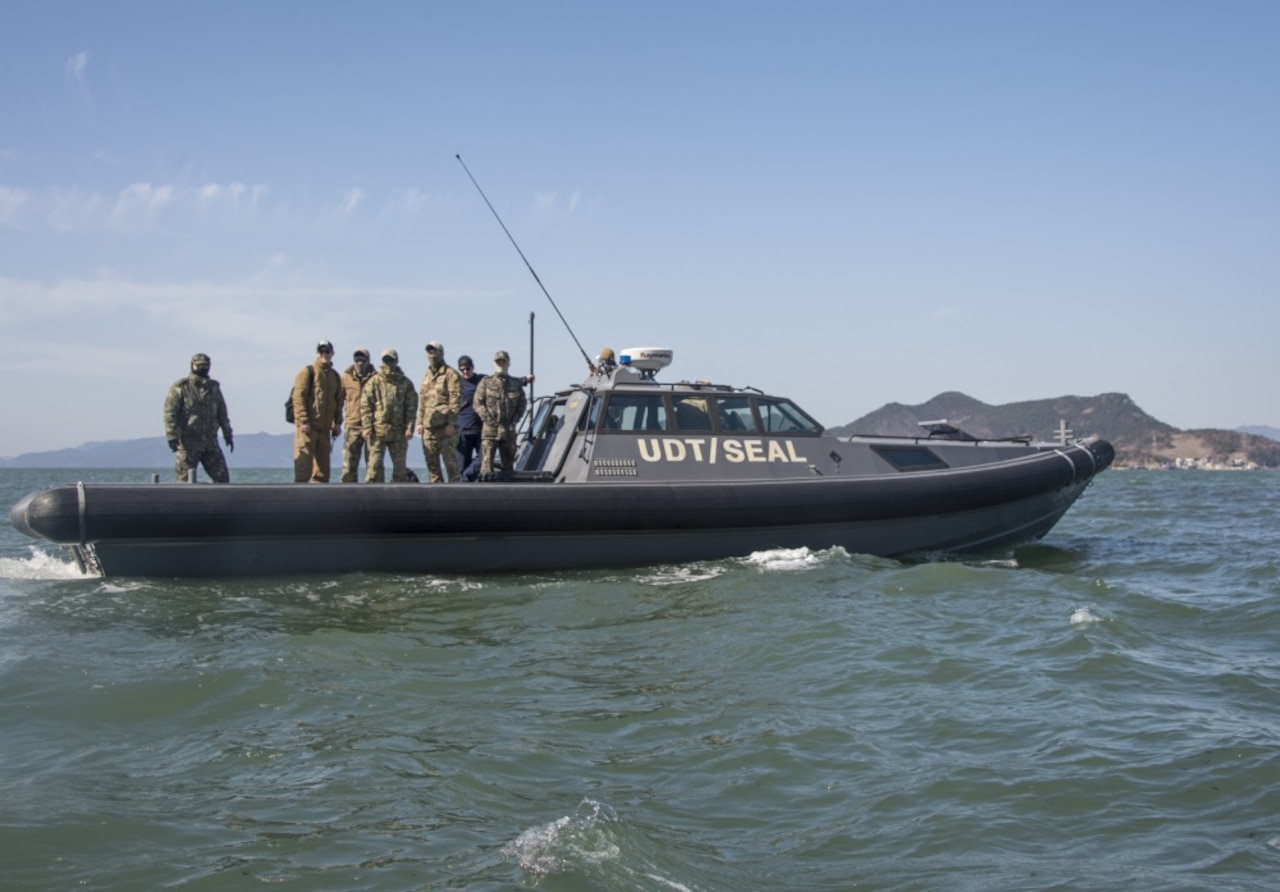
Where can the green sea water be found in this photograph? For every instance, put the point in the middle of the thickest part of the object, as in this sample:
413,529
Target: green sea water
1097,711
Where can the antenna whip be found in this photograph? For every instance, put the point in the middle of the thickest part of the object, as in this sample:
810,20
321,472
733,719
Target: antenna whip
590,365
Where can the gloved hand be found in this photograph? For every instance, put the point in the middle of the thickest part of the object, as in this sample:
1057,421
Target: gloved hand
173,445
231,444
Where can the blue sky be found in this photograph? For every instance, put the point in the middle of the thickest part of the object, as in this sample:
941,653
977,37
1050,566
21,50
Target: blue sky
847,203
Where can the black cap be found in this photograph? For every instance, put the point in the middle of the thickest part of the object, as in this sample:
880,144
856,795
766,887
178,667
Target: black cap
464,359
324,347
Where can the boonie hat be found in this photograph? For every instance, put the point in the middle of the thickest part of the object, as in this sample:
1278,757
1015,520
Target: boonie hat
436,346
501,354
324,347
390,354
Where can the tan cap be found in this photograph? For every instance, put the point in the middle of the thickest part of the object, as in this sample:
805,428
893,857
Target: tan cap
501,355
391,354
436,346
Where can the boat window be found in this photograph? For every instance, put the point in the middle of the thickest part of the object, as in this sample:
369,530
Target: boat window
735,414
635,412
692,414
785,417
910,458
546,424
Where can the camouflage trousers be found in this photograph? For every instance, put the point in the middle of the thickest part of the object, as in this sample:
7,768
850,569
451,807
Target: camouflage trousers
398,447
212,459
436,447
506,449
353,448
312,454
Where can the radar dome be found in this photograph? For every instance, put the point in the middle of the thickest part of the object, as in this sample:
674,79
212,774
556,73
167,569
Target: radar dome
647,360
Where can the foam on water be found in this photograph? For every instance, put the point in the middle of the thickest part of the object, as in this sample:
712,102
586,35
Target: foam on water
40,565
679,575
566,842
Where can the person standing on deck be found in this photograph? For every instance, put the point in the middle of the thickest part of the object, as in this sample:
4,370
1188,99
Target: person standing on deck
387,409
317,417
194,410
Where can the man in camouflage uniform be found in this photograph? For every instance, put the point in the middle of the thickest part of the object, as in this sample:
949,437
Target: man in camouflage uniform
317,416
388,408
355,446
500,403
439,401
194,410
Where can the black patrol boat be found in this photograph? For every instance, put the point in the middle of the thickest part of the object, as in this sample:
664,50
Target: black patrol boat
622,470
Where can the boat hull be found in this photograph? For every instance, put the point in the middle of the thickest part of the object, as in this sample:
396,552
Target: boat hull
252,530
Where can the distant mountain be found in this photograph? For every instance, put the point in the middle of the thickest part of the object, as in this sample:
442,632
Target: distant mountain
252,451
1140,440
1261,430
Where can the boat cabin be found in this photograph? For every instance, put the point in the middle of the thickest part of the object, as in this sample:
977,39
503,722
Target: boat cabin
622,423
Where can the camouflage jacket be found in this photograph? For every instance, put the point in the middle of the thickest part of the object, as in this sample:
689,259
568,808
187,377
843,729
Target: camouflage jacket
352,389
317,398
439,398
194,411
389,404
500,402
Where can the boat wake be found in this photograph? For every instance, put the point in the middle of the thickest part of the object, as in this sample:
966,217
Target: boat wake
788,560
681,575
39,565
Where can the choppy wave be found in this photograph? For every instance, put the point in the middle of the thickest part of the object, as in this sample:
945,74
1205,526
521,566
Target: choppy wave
569,841
1084,616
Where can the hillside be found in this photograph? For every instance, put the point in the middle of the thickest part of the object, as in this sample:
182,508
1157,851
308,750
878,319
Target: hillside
252,451
1140,440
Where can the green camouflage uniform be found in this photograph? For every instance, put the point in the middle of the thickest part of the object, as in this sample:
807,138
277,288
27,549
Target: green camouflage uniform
439,401
500,403
355,446
194,411
388,407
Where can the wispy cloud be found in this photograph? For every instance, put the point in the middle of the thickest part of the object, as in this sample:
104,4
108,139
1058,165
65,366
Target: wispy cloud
75,71
141,200
544,202
12,202
350,201
136,206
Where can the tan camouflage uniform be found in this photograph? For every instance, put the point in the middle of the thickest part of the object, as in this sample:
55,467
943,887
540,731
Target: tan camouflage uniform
387,411
500,403
439,401
317,404
355,446
194,411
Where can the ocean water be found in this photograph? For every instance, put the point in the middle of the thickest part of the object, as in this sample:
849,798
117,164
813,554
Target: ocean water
1100,710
